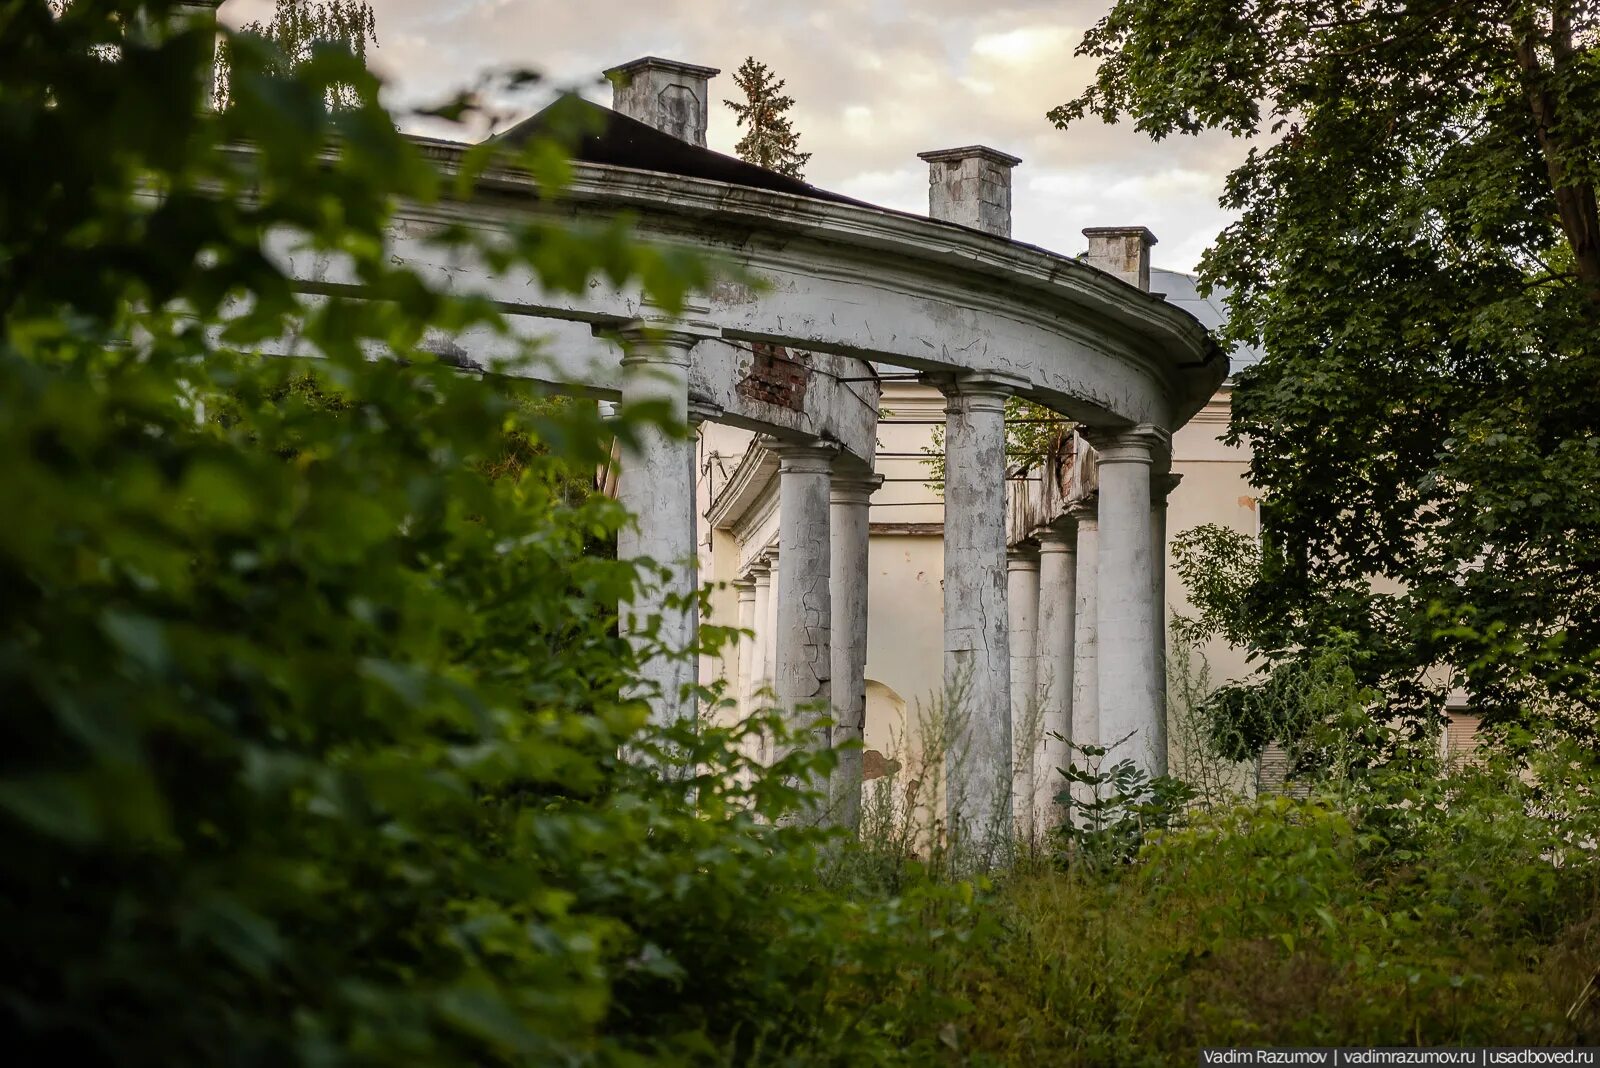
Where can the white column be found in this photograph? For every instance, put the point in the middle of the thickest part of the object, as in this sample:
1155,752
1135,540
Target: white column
746,588
761,575
1130,704
769,643
1058,611
1162,483
657,489
700,411
976,651
805,609
769,652
1027,722
1085,670
850,495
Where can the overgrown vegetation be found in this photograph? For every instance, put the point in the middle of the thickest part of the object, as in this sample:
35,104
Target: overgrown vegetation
314,701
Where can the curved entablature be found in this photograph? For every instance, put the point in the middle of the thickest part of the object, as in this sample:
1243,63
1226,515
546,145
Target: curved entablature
881,285
823,277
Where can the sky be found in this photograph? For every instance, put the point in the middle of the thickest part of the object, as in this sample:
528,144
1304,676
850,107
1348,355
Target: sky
874,82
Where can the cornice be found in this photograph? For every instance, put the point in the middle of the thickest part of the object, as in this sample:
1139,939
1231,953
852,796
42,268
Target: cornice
1040,284
753,476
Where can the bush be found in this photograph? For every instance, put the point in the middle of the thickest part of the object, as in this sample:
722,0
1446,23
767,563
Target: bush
312,681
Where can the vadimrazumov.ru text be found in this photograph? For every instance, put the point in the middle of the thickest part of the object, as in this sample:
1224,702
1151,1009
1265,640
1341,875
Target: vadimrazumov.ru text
1467,1057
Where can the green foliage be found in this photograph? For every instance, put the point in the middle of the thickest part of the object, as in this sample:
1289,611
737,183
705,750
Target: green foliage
314,695
1033,432
1418,251
297,29
1217,566
315,700
1110,811
1441,910
770,141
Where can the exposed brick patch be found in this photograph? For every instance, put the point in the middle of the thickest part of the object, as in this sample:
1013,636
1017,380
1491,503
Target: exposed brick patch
776,377
874,765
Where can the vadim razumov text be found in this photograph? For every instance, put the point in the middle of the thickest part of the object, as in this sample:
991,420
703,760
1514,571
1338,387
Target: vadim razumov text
1384,1055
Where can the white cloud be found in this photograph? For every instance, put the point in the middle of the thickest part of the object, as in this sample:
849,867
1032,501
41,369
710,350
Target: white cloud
874,81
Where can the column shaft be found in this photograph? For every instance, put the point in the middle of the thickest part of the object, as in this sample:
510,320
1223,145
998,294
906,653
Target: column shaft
769,644
851,497
1027,714
1130,704
762,623
805,609
769,650
1161,486
657,489
1058,613
976,622
746,588
1085,668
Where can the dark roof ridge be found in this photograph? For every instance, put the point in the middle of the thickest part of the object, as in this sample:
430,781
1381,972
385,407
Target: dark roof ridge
614,138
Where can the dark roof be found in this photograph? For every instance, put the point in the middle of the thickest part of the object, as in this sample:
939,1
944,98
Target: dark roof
606,136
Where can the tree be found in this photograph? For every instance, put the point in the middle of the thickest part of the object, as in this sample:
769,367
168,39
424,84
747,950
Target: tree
770,141
298,28
1418,251
313,699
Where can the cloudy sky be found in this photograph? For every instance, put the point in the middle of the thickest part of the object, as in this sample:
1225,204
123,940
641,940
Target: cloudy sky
874,81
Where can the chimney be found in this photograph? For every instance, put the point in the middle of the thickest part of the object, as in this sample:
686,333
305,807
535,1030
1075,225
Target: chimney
670,96
971,186
1123,251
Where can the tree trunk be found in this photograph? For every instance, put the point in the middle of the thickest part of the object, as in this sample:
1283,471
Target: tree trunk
1575,200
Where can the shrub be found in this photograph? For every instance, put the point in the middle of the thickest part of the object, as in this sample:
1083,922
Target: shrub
312,683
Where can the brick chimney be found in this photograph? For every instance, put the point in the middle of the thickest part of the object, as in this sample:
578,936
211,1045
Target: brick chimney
673,97
971,186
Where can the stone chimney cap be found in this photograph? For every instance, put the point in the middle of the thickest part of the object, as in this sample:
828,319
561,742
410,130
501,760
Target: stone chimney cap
946,155
671,65
1141,232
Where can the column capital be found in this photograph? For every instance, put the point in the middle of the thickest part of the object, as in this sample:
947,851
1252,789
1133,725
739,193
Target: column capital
746,587
659,340
976,384
1058,537
758,569
703,411
1161,486
1085,509
1022,557
1142,444
853,488
813,456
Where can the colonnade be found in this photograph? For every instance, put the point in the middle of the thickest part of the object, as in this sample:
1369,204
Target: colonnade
1062,634
1099,671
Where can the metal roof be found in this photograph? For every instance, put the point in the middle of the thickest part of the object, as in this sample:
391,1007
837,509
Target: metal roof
610,137
1184,291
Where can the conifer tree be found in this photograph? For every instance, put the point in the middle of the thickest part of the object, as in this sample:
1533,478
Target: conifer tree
769,140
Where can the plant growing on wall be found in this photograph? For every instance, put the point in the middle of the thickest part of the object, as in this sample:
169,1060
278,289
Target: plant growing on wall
769,140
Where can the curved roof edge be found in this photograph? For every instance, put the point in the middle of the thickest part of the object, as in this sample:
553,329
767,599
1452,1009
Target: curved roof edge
1183,290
